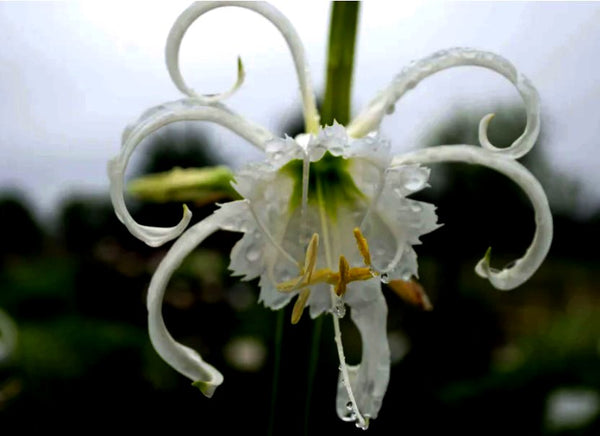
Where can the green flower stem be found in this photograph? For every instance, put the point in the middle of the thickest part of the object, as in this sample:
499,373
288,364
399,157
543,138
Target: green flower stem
276,369
312,368
340,62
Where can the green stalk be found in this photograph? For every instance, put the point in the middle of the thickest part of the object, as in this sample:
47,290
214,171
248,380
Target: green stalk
312,368
276,369
336,106
340,62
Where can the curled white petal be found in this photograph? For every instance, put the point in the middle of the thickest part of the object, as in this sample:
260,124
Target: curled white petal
184,359
187,17
370,118
152,120
522,269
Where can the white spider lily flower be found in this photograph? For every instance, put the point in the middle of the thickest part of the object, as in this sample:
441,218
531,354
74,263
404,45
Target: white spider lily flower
326,216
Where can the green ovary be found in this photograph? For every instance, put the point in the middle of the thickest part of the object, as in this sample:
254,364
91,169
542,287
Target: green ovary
329,183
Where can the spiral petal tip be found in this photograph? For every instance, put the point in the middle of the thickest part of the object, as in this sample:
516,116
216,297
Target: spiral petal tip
207,388
483,266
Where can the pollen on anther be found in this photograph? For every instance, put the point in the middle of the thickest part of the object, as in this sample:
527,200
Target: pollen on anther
310,260
299,305
363,246
340,288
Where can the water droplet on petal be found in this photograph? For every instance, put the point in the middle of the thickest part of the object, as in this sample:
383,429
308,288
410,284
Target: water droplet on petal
416,207
385,278
253,253
510,264
390,109
349,406
416,180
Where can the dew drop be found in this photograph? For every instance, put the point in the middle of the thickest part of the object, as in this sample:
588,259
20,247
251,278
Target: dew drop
336,149
415,207
406,275
339,309
415,182
385,278
363,426
390,109
253,253
187,103
349,417
349,406
510,264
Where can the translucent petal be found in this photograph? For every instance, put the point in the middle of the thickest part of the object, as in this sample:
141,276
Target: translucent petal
394,222
182,358
369,379
281,151
152,120
270,296
332,138
262,219
320,300
522,269
370,118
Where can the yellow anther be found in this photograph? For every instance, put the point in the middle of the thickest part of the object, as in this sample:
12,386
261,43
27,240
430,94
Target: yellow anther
306,272
363,246
290,285
299,305
310,260
324,275
412,292
310,276
340,288
362,273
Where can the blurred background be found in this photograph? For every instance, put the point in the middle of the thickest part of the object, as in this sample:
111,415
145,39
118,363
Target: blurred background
73,339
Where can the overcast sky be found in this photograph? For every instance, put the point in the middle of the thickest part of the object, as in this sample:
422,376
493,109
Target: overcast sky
74,74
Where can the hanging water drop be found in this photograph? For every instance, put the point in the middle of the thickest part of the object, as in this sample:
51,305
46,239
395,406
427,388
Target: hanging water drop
339,309
385,278
362,425
349,406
